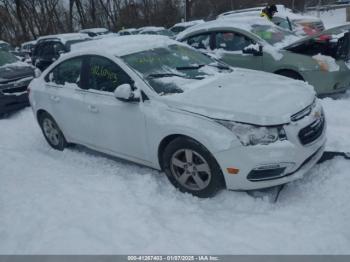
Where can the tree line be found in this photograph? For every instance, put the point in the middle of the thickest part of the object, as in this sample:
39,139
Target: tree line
24,20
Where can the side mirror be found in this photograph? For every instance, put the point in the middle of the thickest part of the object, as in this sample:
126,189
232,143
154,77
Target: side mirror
253,50
37,73
125,93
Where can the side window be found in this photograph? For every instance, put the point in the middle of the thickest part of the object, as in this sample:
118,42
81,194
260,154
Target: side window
57,48
231,41
47,50
199,41
67,72
105,75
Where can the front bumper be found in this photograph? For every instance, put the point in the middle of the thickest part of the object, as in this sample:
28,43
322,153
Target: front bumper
275,164
329,83
14,96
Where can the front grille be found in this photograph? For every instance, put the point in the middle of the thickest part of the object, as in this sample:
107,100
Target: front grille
303,113
313,131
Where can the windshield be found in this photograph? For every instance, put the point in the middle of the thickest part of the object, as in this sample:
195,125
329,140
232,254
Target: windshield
166,69
7,58
272,34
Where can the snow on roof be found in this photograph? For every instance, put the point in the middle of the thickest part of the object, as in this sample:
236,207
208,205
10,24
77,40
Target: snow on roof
65,37
125,45
128,30
189,23
3,42
94,30
151,28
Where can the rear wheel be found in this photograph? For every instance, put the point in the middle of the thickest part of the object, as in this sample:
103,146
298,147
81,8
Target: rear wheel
52,132
191,168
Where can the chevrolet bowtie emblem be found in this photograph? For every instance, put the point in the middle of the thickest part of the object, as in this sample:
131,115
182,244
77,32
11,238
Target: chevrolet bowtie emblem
317,115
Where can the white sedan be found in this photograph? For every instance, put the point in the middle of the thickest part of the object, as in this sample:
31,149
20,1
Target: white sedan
159,103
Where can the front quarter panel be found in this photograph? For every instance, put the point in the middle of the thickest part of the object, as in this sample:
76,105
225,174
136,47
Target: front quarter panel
164,121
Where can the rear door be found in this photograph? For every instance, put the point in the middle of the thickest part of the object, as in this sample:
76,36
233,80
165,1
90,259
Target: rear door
63,85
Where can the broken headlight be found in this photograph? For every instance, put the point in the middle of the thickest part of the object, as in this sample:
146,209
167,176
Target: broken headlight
250,135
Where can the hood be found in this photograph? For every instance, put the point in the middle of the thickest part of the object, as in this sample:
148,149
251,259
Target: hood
245,96
332,31
15,71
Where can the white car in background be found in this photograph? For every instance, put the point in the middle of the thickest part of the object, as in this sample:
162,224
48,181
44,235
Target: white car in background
156,30
95,32
159,103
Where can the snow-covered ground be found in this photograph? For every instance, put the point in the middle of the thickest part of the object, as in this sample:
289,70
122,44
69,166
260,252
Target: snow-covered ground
78,201
81,202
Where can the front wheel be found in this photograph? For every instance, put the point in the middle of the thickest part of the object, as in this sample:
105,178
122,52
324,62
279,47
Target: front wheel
191,168
52,132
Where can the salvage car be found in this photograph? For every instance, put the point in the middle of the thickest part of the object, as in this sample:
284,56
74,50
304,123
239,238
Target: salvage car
160,103
15,77
321,60
49,48
286,18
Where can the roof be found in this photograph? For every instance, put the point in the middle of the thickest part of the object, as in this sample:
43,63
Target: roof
151,28
94,30
120,46
65,37
189,23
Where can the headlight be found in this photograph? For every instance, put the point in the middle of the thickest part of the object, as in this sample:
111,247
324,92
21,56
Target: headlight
250,135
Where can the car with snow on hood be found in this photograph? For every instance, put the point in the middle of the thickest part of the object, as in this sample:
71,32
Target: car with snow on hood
15,77
286,18
160,103
321,60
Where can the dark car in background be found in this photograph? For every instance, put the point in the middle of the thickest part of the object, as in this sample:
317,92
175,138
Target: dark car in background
15,77
49,48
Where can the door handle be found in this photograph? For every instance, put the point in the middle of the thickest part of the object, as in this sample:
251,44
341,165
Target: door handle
93,109
55,99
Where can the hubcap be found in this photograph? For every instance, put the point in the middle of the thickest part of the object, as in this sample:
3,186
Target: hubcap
51,131
190,169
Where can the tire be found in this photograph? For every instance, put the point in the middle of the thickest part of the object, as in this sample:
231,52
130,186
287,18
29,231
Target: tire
185,174
290,74
52,132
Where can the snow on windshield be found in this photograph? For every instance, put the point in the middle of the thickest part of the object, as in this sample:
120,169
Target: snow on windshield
168,70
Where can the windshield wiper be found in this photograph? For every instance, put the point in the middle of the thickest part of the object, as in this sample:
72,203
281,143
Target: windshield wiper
190,67
161,75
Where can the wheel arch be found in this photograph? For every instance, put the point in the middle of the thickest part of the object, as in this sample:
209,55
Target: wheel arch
283,71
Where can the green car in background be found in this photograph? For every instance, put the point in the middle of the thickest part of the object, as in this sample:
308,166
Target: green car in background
321,60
